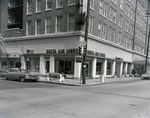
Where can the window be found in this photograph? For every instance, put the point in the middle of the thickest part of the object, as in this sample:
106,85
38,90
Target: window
65,65
59,3
48,4
111,34
120,21
102,30
112,15
29,28
48,25
131,29
119,38
109,67
70,2
11,3
125,41
114,1
29,6
137,32
38,5
98,68
37,26
59,20
130,43
103,8
127,10
11,17
126,26
71,22
92,4
132,15
121,4
90,25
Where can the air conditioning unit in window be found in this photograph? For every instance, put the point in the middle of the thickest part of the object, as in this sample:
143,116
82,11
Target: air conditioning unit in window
121,7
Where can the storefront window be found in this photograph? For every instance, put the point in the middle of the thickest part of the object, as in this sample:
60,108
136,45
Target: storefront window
65,66
98,68
18,64
109,68
4,65
33,64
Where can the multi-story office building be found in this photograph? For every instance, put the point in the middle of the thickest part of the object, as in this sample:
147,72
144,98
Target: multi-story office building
48,32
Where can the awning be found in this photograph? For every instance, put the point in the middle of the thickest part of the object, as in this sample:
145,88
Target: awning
142,62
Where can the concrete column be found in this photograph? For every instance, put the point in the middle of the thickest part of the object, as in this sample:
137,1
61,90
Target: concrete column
42,65
94,67
105,67
52,63
23,62
113,68
121,69
32,64
77,70
125,68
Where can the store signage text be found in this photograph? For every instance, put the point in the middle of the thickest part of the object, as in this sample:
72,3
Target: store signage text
119,58
30,51
99,54
74,50
51,51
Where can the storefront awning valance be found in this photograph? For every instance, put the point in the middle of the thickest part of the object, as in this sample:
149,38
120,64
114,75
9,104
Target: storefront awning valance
142,62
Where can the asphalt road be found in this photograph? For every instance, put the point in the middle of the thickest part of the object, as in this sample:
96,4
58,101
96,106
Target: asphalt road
46,100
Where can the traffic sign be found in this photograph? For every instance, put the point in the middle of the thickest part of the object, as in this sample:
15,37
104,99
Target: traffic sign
82,43
78,59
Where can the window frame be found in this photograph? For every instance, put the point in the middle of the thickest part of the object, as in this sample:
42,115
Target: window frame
59,3
60,24
47,2
37,28
38,6
28,28
29,2
71,22
47,26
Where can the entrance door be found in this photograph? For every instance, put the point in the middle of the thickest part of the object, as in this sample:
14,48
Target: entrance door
87,69
47,66
11,64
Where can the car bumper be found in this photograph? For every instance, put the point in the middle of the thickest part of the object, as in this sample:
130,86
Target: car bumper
31,78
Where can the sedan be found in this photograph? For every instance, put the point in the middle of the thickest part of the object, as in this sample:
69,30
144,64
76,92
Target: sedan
20,74
146,75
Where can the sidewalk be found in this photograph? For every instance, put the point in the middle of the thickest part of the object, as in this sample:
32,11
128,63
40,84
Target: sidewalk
75,82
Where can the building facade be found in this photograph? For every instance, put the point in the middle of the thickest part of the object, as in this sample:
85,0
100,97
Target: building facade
47,34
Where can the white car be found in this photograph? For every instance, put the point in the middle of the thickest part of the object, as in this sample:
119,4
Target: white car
146,75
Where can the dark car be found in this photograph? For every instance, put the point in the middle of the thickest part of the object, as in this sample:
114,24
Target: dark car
19,74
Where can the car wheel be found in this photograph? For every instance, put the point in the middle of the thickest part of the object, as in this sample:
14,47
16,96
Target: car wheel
5,77
22,79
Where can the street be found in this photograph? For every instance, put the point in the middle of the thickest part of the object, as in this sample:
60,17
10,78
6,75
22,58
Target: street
45,100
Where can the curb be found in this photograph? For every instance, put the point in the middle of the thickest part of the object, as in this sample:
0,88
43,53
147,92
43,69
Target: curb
91,84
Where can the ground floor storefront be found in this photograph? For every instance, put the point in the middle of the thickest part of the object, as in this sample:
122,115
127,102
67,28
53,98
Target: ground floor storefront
59,53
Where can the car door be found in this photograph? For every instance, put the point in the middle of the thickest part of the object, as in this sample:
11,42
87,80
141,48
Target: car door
15,74
9,74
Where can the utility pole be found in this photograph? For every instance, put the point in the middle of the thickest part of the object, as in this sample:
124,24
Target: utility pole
148,14
147,51
85,49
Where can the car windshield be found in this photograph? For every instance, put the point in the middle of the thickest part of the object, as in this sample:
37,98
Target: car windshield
23,70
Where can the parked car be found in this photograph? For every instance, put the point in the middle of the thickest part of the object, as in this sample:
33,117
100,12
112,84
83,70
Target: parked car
146,75
19,74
